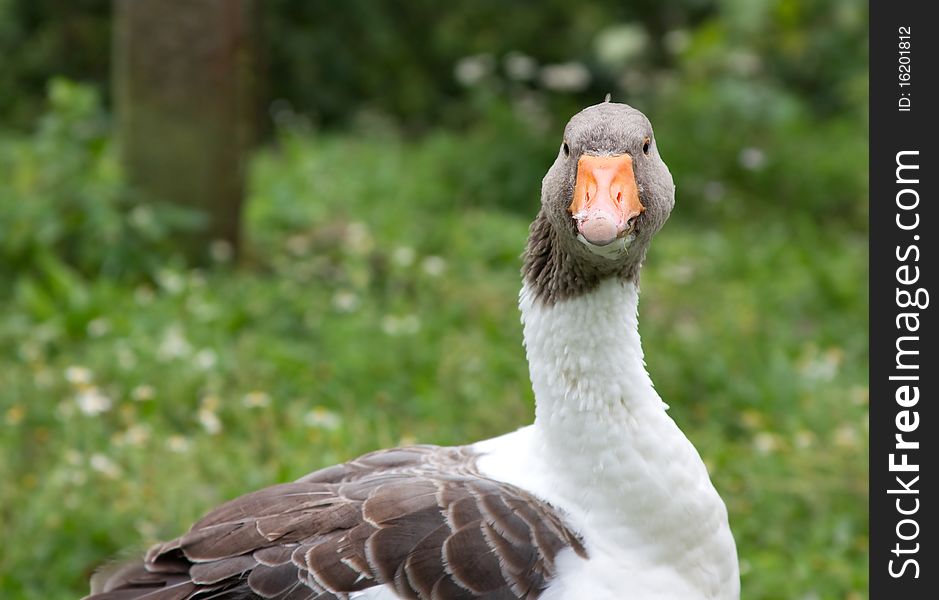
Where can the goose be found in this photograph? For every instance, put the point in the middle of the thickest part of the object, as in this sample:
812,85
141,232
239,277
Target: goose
602,497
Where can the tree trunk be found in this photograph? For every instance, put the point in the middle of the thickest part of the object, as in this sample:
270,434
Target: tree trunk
185,93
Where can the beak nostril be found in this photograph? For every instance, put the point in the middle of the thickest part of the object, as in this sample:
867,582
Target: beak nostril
605,191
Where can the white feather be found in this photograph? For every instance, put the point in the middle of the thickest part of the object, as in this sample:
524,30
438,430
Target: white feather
603,450
379,592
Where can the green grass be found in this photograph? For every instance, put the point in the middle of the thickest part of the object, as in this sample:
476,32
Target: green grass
377,306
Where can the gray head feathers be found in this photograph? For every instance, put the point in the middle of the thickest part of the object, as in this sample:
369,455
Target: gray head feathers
558,265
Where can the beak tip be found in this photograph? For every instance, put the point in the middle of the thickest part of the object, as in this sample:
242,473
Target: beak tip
599,230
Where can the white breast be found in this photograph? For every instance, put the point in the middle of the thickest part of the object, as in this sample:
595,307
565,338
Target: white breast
604,451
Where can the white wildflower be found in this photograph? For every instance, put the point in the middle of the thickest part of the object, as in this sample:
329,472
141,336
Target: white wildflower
752,159
565,77
390,324
520,67
76,476
98,327
434,266
209,421
859,395
221,251
174,344
146,529
406,325
126,357
14,415
765,442
211,402
78,375
206,358
135,435
323,418
345,301
73,457
104,465
803,439
619,45
471,70
403,256
847,436
358,238
143,392
178,444
142,217
91,401
31,351
256,399
822,366
171,281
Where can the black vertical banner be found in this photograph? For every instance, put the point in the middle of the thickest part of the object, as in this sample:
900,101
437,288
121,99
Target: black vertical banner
904,367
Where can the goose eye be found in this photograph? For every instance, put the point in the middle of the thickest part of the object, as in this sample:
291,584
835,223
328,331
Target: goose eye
645,145
566,149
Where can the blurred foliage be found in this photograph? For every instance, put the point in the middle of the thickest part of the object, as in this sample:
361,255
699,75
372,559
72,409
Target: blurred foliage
755,90
375,304
42,39
63,203
334,62
390,318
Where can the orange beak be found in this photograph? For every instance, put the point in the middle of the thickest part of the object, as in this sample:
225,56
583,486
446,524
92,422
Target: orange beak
606,198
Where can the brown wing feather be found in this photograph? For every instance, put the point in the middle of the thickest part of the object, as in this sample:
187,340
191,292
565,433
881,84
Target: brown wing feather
420,519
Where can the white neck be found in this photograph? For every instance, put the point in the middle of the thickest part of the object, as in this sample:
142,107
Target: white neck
612,457
585,357
599,422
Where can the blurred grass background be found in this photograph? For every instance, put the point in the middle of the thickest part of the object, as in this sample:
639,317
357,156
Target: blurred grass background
373,300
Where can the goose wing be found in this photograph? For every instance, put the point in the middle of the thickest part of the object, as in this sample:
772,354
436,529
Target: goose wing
420,520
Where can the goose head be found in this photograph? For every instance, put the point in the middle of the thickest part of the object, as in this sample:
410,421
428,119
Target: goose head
604,198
